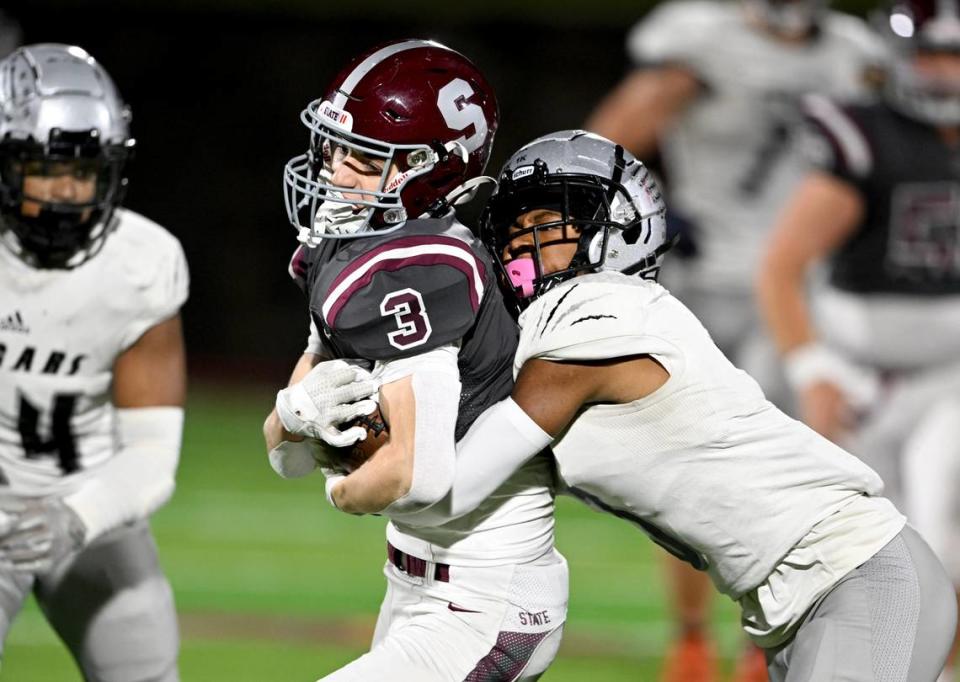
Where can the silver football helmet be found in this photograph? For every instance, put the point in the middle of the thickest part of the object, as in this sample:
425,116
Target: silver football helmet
917,27
596,186
60,115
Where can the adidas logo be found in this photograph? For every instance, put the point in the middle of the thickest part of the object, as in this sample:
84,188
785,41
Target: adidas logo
14,323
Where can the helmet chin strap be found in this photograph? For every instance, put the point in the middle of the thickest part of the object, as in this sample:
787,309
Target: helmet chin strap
462,194
332,218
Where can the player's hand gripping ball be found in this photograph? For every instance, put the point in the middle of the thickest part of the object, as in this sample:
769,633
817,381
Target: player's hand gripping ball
378,433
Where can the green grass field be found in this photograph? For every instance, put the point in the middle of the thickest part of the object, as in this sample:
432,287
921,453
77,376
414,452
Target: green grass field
272,584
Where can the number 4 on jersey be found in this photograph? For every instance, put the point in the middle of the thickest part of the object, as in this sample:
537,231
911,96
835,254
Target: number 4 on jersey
61,442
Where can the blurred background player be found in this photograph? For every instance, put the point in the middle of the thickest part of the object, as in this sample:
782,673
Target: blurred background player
875,360
92,374
393,277
715,92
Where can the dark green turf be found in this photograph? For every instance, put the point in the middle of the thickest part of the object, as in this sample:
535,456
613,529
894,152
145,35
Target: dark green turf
260,564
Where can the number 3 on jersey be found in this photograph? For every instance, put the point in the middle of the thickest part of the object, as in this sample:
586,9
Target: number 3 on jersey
413,325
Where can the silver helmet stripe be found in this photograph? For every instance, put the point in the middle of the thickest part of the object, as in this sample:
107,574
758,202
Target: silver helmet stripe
367,65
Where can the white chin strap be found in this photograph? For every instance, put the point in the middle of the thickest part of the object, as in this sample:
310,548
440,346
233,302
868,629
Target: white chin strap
332,218
461,194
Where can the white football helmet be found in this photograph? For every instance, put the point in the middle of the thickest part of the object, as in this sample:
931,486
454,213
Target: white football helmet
917,27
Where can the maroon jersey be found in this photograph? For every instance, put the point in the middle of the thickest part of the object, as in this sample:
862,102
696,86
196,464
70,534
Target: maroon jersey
909,239
408,292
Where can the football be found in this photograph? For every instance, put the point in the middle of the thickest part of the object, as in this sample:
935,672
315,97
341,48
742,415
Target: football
378,433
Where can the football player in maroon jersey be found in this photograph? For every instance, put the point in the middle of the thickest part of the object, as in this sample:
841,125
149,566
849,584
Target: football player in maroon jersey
875,362
392,277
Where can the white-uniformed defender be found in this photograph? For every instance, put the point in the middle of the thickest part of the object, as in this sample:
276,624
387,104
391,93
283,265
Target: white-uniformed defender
650,422
716,91
92,371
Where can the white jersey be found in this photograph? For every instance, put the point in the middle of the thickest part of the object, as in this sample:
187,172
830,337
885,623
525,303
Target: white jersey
514,525
61,332
710,468
730,156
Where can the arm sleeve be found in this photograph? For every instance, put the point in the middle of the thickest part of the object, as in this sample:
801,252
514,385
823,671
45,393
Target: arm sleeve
500,441
436,389
139,479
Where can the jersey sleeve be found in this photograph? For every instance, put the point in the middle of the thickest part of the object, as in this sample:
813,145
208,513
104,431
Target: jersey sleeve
589,321
405,296
834,141
298,267
675,32
158,279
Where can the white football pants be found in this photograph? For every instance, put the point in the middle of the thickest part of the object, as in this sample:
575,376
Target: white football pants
494,624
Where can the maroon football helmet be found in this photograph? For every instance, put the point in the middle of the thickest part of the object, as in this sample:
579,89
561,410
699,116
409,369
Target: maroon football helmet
422,110
916,27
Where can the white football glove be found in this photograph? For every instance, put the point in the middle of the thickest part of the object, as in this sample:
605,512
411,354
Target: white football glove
44,532
332,393
295,459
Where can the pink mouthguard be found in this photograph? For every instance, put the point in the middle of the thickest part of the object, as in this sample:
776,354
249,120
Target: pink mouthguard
522,273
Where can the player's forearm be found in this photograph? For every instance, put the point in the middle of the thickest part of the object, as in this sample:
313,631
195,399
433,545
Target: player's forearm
382,480
784,304
274,433
139,478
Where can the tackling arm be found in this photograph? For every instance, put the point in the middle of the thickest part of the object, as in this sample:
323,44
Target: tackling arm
547,397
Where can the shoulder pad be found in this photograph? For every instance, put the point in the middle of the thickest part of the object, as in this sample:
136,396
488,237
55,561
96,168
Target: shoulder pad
401,295
836,141
593,317
153,270
864,42
680,32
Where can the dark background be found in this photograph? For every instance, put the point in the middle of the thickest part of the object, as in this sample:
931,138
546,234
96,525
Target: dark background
216,91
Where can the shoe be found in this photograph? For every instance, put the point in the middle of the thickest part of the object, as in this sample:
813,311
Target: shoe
692,658
752,666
